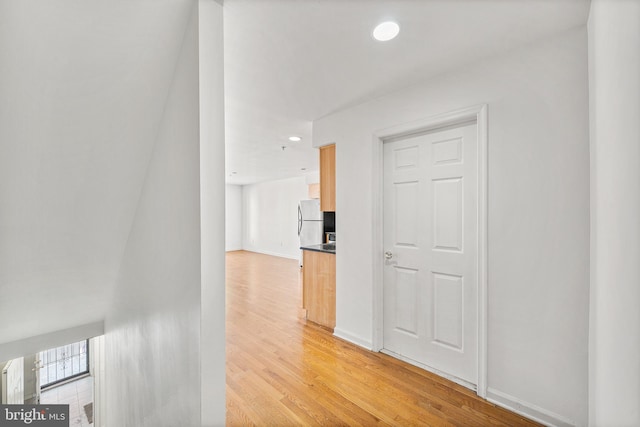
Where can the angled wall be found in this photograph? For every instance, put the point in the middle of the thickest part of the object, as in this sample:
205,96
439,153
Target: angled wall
82,93
153,326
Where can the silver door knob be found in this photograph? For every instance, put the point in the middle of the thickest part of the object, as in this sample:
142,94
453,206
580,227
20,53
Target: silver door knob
388,255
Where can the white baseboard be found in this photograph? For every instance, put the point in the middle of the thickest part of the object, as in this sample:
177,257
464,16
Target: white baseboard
288,256
499,398
353,339
528,410
438,372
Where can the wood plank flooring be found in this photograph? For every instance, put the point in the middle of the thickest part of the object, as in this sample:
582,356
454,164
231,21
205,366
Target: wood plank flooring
283,371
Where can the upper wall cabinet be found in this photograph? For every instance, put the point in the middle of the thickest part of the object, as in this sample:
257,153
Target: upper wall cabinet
328,178
314,191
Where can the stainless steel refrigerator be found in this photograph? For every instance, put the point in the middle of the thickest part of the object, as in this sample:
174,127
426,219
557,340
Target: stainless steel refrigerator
309,223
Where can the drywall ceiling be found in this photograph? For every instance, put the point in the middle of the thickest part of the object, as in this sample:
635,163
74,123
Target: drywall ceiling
82,88
289,62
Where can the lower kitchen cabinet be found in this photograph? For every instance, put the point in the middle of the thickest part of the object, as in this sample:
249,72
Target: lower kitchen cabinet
319,287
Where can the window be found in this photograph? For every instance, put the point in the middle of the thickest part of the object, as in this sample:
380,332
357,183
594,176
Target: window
62,363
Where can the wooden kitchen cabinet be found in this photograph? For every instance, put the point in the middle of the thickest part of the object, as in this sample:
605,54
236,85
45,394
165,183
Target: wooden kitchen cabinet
319,287
328,178
314,191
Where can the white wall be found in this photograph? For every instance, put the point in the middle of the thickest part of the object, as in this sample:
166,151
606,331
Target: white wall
152,327
212,200
30,388
614,95
233,217
12,380
270,216
538,213
25,381
81,98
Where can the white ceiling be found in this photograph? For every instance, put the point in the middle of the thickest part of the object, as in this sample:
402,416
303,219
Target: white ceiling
289,62
82,88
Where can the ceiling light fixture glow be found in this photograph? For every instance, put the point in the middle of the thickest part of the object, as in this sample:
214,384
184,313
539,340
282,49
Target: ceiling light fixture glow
386,31
295,139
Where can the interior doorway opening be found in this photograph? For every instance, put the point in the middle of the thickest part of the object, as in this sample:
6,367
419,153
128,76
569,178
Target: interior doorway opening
72,374
444,153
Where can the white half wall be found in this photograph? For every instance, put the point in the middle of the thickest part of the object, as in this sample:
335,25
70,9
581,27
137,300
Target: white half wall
270,216
233,217
43,342
614,95
152,327
538,216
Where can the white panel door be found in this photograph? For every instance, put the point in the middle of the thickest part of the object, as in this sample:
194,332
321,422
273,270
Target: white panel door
430,243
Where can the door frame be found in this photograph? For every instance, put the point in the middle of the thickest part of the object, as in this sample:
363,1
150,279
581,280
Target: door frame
477,113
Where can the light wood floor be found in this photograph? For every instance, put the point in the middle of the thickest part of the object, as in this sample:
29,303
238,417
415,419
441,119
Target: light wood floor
283,371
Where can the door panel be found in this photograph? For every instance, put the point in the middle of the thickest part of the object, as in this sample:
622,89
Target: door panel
447,151
447,214
448,310
430,229
406,309
407,194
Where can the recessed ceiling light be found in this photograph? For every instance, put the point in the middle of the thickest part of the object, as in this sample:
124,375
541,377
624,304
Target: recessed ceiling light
295,139
386,31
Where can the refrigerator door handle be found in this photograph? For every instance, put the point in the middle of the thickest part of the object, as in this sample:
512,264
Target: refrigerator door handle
299,220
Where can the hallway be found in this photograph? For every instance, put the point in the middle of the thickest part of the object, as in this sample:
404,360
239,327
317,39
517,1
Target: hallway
283,371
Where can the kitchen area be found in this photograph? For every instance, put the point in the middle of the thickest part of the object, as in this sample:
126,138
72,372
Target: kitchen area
317,233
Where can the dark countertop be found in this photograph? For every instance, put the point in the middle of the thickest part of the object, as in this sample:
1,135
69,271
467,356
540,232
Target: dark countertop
329,248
